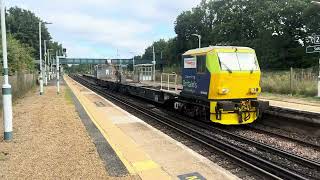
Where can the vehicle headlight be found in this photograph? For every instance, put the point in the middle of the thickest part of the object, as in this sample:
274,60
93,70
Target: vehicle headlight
224,91
254,90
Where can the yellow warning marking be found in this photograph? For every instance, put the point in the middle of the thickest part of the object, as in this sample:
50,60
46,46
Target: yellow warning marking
193,178
142,168
117,151
145,165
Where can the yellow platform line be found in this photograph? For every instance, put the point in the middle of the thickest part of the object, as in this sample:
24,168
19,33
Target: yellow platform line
136,167
145,165
117,151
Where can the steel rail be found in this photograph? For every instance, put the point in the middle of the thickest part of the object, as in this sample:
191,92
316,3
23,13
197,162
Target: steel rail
293,157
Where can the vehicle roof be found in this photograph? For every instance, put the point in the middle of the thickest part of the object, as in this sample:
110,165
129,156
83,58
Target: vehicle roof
211,48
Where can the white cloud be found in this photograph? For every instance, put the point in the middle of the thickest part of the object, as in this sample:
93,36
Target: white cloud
109,32
107,25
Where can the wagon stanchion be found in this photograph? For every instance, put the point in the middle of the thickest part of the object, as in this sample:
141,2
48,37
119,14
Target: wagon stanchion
168,82
175,82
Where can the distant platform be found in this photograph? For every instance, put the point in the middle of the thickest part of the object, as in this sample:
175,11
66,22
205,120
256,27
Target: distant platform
142,149
293,104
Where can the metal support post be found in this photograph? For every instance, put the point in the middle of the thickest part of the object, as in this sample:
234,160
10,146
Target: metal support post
40,58
49,62
6,87
154,65
51,66
319,80
45,63
58,78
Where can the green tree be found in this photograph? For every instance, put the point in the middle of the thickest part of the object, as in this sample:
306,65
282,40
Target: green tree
24,26
274,28
19,56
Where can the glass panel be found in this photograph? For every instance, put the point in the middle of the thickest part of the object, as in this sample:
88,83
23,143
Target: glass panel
229,61
247,61
201,64
238,61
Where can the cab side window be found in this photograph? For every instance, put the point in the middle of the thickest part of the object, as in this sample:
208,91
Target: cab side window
201,64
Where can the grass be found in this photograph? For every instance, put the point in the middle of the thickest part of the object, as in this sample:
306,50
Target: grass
279,83
171,69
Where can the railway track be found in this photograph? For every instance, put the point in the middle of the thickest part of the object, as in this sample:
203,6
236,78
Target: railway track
264,166
283,136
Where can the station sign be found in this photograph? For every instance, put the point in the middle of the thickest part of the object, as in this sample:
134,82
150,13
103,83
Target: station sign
313,49
314,40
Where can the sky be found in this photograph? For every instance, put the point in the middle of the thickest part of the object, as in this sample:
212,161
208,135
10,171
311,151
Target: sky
101,28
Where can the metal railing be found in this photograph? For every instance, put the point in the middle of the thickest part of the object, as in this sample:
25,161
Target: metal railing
169,81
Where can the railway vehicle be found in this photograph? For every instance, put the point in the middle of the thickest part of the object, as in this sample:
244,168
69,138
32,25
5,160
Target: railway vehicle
219,84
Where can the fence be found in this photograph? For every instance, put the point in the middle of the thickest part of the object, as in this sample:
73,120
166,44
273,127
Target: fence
21,83
292,81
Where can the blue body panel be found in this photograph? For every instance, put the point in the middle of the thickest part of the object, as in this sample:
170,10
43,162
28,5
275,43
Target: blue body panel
194,83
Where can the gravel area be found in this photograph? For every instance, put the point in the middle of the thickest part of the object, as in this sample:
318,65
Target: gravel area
289,146
50,141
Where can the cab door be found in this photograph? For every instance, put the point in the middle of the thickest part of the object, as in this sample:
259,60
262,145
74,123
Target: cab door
202,76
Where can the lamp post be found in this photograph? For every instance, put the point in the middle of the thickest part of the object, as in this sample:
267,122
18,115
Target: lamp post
40,55
50,67
45,63
58,70
6,87
40,60
58,78
199,37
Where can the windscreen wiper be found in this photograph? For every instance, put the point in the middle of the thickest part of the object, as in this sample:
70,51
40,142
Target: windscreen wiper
228,69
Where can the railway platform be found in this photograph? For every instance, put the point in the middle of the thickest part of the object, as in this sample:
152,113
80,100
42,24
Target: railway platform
292,103
137,148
